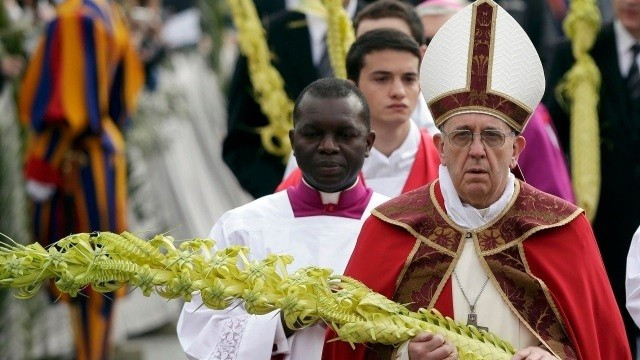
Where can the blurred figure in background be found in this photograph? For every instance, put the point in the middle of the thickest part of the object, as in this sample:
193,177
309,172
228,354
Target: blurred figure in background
616,53
434,13
297,40
180,126
79,89
538,22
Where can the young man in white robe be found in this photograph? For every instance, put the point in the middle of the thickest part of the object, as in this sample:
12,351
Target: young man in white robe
316,221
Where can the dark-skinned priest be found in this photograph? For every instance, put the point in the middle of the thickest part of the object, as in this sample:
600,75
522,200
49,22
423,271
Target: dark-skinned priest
316,221
478,244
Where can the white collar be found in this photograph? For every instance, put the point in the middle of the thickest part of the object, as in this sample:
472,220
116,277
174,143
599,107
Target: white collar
466,215
400,158
624,42
330,198
422,116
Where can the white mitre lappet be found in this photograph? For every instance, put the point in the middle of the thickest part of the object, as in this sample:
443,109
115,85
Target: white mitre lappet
482,61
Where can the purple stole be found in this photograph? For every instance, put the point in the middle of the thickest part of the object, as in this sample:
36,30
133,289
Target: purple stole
306,201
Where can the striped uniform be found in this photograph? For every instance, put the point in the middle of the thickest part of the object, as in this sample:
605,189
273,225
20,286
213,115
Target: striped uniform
78,90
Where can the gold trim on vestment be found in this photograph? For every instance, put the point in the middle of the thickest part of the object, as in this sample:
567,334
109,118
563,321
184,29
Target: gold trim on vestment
417,235
528,234
547,294
504,246
482,110
407,262
447,274
504,297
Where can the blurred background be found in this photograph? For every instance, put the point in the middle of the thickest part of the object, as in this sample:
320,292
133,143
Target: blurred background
177,180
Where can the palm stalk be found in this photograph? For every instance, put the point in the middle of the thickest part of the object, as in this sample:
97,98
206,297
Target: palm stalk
106,261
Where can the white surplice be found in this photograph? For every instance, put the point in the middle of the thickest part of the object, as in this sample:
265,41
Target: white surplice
632,281
267,225
388,174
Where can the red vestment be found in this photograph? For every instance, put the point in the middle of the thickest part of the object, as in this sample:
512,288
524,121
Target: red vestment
423,170
541,255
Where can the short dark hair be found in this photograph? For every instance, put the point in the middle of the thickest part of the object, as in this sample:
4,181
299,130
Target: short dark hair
393,9
332,88
377,40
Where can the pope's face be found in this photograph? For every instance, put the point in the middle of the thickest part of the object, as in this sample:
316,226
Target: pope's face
479,172
330,141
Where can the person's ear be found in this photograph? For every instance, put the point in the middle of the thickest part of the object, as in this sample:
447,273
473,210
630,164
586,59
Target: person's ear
518,145
292,142
438,141
371,138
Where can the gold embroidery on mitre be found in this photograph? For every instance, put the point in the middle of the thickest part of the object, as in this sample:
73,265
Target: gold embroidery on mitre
477,93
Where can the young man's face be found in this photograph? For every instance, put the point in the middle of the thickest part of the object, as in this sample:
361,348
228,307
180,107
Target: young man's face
330,141
389,81
628,11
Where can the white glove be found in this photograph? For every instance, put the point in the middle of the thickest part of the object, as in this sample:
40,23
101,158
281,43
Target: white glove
39,191
403,351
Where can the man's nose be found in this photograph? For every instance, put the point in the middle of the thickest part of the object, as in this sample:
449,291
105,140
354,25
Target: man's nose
328,144
397,88
477,149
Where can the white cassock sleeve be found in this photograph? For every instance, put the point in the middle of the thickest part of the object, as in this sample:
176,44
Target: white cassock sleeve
230,333
632,282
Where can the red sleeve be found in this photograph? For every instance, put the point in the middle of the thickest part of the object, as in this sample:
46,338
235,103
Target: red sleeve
292,180
567,259
387,247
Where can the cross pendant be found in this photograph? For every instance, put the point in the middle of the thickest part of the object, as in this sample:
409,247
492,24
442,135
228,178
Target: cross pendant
472,319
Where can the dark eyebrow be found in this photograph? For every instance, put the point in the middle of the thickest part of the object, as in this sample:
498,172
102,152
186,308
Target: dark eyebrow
308,126
381,72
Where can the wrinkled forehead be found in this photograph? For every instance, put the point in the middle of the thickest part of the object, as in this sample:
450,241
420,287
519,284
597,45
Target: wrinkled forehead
475,121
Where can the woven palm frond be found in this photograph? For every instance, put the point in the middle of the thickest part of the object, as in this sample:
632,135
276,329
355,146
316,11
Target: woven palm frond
105,261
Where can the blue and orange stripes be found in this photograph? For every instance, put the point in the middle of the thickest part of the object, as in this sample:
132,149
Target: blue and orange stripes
84,70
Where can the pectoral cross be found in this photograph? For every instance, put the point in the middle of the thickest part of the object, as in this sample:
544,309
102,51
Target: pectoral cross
472,319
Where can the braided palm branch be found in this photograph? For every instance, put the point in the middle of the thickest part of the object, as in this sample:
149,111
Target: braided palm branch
106,261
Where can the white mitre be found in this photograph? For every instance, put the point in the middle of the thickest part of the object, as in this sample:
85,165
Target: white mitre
482,61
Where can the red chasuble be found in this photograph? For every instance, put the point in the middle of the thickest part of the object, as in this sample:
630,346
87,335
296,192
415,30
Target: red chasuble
423,170
540,254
